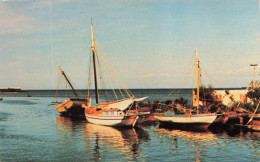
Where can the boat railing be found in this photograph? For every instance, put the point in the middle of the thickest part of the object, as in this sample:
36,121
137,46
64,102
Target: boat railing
132,112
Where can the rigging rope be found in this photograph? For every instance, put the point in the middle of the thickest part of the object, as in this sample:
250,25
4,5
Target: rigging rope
109,79
111,72
101,78
211,77
114,73
187,72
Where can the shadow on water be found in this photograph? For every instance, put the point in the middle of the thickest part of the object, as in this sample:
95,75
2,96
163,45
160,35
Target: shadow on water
70,124
4,116
171,126
230,131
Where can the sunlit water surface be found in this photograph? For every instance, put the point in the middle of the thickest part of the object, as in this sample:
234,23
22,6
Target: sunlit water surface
32,130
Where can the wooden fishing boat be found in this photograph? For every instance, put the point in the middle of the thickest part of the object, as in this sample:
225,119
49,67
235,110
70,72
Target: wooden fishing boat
116,113
189,119
113,113
71,107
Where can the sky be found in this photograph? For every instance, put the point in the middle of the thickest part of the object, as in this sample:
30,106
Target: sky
149,42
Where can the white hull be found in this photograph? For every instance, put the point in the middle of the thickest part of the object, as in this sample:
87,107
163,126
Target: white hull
112,120
201,120
188,119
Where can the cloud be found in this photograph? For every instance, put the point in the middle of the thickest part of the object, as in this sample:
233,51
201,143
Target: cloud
240,71
13,22
9,65
244,69
165,74
149,75
225,72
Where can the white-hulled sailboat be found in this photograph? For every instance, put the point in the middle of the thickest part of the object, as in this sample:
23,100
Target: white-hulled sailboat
116,113
188,120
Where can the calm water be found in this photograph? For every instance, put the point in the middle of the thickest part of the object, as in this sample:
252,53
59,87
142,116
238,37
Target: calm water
32,130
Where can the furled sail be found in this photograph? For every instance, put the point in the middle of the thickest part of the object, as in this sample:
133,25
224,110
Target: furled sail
140,99
122,105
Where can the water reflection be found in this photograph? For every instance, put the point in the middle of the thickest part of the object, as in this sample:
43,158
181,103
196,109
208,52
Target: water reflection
69,124
196,141
101,142
198,153
187,136
118,141
201,144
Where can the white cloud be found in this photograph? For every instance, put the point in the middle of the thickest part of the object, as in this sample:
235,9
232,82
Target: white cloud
244,69
12,22
225,72
149,75
164,74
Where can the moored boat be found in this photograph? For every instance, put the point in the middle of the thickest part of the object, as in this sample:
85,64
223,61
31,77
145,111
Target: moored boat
71,107
115,113
188,120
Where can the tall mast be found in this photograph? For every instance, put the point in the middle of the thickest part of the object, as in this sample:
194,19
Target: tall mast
198,79
93,47
63,73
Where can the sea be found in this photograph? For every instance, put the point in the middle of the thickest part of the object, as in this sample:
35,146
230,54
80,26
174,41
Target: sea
32,130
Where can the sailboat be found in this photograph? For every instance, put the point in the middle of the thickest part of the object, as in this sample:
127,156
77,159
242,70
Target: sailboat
71,107
188,120
115,113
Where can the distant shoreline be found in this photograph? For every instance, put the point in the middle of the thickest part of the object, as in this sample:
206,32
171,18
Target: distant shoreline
228,88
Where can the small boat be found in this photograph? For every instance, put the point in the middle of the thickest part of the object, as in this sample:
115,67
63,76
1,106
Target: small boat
71,107
115,113
186,121
189,120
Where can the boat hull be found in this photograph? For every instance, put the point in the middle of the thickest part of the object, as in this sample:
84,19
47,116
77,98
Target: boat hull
255,128
72,108
110,117
187,121
127,120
